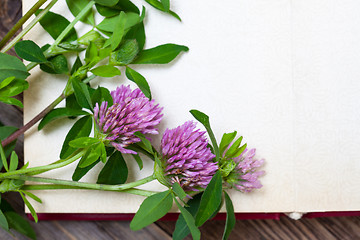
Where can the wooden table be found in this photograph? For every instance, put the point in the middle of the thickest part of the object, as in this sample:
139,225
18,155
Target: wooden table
321,228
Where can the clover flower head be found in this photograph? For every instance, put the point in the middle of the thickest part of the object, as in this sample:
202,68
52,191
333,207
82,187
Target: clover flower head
244,177
131,112
187,157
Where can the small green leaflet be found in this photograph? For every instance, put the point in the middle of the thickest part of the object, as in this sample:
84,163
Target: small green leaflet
11,66
140,81
181,227
234,150
179,191
210,200
82,94
3,222
166,5
11,86
83,142
138,160
108,24
115,170
107,3
56,65
31,208
100,95
14,161
190,221
230,217
145,143
92,154
106,71
11,101
119,31
19,224
160,6
31,195
58,113
75,7
204,120
80,172
55,24
3,158
125,54
160,55
29,51
152,209
226,139
81,128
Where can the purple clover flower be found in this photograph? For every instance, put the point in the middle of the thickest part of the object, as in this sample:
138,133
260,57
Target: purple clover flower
131,112
245,175
188,159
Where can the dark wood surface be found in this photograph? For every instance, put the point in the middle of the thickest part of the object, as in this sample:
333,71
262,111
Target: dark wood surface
285,228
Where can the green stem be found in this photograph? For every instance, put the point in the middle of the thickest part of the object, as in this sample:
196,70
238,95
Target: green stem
83,12
29,27
42,114
21,22
84,185
37,170
134,191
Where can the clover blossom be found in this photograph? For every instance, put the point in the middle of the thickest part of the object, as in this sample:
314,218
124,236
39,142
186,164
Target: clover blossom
131,112
187,157
244,175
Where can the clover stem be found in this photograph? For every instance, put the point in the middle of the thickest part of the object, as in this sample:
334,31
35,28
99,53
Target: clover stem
29,26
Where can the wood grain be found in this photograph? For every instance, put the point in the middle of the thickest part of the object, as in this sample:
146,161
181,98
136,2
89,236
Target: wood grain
285,228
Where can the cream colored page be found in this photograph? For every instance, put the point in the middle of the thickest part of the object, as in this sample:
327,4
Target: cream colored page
238,71
327,117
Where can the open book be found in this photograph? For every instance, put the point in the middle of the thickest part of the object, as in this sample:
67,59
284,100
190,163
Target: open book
284,74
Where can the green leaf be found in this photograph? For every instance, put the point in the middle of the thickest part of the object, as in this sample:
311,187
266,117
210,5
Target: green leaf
108,24
106,71
55,24
119,30
80,172
145,143
72,103
14,161
204,120
31,208
3,158
179,191
82,94
140,81
190,222
125,54
160,55
230,217
138,33
30,51
19,224
31,195
123,5
77,64
58,113
181,227
11,66
100,95
12,87
56,65
3,222
76,6
107,3
159,5
138,160
152,209
91,155
91,53
234,150
11,101
115,170
81,128
6,131
226,139
166,5
83,142
210,200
